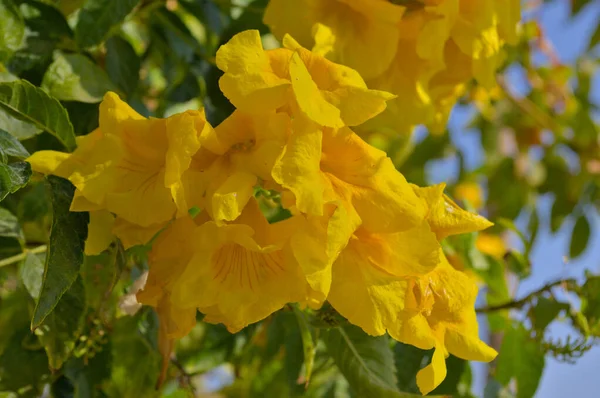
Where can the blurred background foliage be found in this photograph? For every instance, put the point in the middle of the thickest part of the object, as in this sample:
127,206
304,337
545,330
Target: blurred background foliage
536,135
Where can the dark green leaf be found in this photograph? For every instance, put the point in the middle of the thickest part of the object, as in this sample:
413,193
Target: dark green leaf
28,103
367,362
409,360
122,64
60,330
47,20
455,368
98,17
12,29
73,77
101,273
520,358
579,237
9,225
132,377
23,364
13,177
83,116
65,254
10,146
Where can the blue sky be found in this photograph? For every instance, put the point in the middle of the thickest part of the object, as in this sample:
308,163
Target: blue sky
582,380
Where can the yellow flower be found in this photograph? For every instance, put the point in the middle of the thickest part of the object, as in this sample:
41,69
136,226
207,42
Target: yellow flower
296,79
241,272
445,217
431,49
171,251
471,192
439,313
320,166
131,166
370,275
245,147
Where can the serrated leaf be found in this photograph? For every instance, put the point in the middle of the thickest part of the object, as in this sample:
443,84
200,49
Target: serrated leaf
65,253
521,358
12,29
98,17
13,177
33,105
9,225
73,77
10,146
579,237
366,362
122,64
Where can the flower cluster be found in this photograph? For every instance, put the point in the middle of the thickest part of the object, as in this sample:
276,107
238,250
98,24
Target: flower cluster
424,51
358,234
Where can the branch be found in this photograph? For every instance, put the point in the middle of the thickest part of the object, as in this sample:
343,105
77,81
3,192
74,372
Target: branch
21,256
516,304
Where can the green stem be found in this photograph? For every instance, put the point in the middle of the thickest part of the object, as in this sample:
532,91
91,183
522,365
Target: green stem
21,256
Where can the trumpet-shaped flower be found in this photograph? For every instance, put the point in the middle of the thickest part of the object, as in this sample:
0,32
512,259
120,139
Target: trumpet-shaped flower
320,166
241,272
431,49
131,166
370,275
294,78
439,313
246,147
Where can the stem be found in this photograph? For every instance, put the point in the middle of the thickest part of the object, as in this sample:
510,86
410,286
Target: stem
21,256
515,304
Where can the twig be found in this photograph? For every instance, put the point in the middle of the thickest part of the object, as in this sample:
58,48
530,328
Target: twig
515,304
21,256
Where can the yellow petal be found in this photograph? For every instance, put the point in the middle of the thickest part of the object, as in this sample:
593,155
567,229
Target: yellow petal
298,167
49,162
233,194
460,344
446,217
249,81
366,178
99,232
309,97
317,244
132,234
433,374
242,270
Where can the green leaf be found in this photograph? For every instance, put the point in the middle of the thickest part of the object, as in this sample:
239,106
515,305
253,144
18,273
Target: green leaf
98,17
579,237
23,364
366,362
101,273
26,102
132,377
12,29
520,358
10,146
13,177
409,360
74,77
9,225
61,329
65,253
545,311
31,273
122,64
